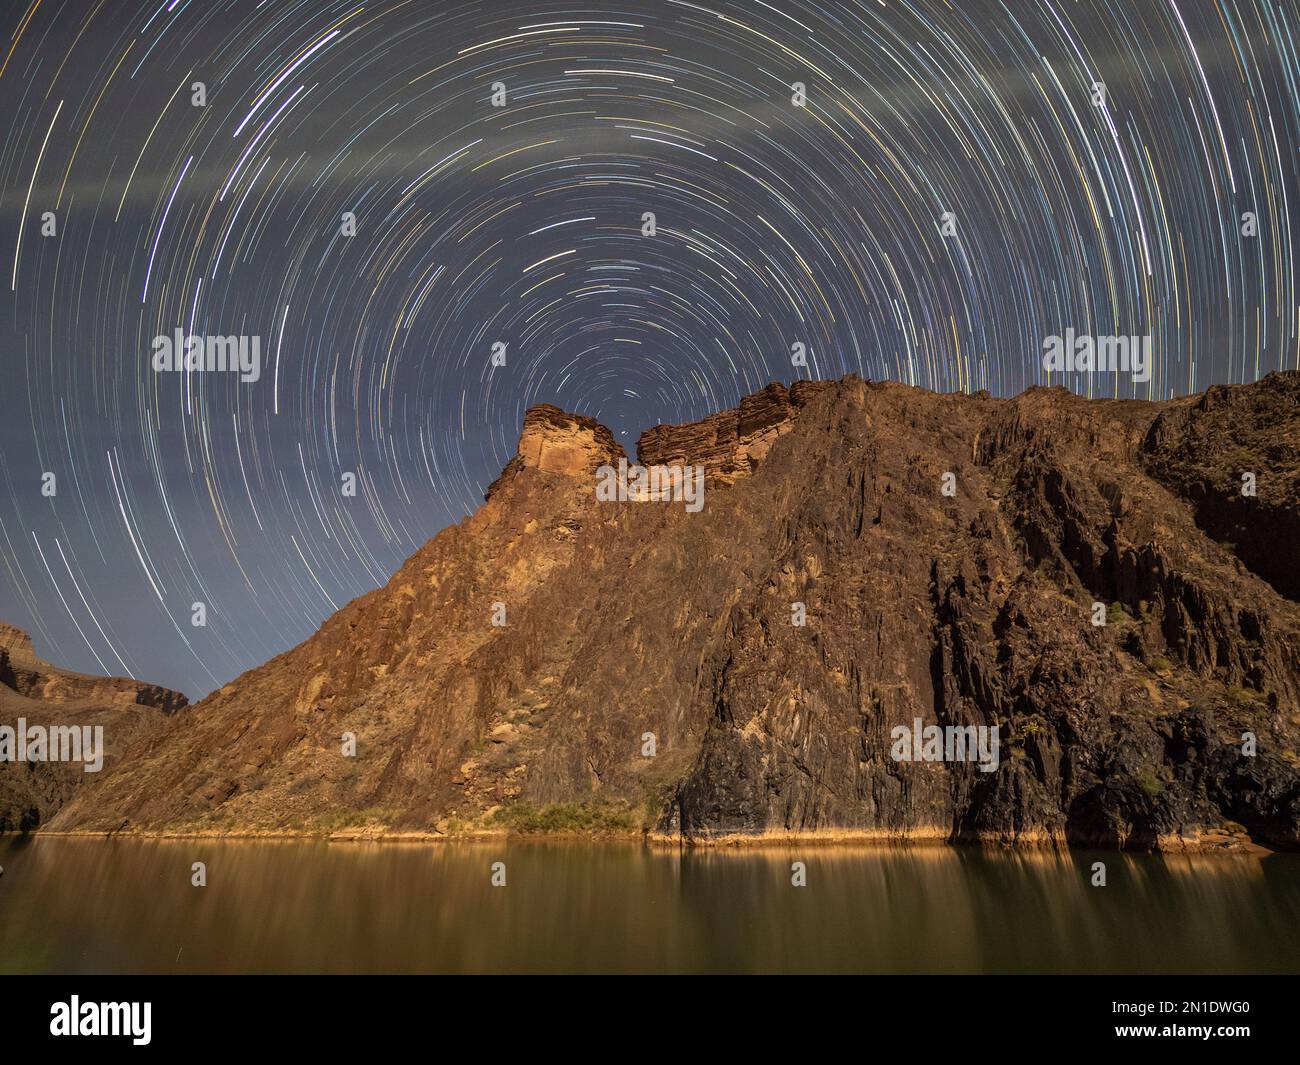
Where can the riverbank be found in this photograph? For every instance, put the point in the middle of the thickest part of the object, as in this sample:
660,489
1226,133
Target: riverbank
1207,841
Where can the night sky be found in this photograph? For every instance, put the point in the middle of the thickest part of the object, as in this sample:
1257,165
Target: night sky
522,224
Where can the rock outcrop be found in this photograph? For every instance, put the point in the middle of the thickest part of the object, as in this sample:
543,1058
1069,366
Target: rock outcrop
554,659
731,444
555,441
34,691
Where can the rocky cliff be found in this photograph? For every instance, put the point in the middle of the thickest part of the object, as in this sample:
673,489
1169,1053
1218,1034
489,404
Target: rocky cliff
34,691
1083,578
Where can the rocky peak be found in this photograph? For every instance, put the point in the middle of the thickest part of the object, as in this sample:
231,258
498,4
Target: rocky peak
16,645
559,442
555,441
729,444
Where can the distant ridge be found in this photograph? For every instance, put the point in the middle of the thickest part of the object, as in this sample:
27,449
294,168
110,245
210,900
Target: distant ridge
38,693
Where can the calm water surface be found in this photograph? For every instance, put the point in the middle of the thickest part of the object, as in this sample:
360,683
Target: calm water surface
89,905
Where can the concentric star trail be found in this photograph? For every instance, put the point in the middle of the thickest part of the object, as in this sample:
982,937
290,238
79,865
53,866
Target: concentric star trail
381,192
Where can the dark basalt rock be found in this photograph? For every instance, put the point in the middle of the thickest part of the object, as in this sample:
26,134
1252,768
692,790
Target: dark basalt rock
1200,452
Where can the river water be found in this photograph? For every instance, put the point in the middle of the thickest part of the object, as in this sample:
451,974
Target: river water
108,906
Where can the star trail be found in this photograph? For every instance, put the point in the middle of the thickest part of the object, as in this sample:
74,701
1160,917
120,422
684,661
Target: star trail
384,194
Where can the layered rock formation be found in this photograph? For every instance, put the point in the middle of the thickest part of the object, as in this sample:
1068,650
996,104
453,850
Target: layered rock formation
558,660
732,443
38,693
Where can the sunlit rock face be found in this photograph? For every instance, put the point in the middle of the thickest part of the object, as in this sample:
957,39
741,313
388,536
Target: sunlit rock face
558,442
731,444
868,557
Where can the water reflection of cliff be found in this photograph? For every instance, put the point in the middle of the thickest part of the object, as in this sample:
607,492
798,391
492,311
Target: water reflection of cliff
89,905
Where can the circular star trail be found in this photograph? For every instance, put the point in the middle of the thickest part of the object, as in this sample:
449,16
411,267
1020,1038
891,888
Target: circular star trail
641,206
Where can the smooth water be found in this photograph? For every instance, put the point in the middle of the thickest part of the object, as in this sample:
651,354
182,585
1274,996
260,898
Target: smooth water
95,906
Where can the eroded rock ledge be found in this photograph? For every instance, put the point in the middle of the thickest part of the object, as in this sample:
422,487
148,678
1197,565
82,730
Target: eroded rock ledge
732,443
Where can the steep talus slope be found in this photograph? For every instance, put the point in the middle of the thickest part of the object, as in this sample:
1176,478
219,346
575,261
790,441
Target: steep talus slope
38,693
628,622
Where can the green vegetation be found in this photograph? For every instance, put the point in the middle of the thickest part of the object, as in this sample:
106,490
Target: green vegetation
1021,731
1151,784
577,817
1244,696
338,820
650,807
